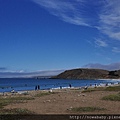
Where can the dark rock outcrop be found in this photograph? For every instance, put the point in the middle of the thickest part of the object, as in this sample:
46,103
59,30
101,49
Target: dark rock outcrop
88,74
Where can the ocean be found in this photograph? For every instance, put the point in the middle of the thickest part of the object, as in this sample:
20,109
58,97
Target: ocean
25,84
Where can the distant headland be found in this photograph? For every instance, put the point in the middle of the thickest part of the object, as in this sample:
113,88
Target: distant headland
85,73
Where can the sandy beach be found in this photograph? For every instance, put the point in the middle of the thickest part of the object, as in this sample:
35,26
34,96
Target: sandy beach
63,101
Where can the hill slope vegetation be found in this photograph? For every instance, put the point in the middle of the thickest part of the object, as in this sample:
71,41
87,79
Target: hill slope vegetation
88,74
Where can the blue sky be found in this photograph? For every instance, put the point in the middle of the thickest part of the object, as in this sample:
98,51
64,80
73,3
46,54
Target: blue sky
58,34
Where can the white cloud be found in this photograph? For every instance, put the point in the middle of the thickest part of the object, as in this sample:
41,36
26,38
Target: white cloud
112,66
110,19
101,43
76,20
22,73
66,10
105,14
116,50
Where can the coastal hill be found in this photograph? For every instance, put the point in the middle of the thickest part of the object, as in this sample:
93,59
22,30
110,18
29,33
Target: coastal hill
85,73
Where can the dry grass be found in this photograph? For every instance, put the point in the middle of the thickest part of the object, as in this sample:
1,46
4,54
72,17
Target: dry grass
44,94
110,88
87,109
15,111
114,97
10,100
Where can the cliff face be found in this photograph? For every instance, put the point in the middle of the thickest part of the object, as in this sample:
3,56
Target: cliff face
88,74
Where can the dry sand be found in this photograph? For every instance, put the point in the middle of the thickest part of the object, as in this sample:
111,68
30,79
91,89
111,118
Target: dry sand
63,100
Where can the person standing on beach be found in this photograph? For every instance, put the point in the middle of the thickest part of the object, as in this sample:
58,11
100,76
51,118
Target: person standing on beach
38,87
70,85
60,87
35,87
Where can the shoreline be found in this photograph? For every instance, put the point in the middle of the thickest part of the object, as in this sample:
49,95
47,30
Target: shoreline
25,92
64,101
107,84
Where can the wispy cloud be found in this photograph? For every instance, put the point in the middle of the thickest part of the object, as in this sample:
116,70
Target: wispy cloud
110,19
101,43
104,15
116,50
66,10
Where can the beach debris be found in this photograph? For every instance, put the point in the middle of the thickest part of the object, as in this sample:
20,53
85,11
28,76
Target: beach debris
86,87
70,108
50,91
83,94
74,99
83,101
79,95
48,101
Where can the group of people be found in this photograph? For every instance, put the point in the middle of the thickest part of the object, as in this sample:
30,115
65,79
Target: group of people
37,87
